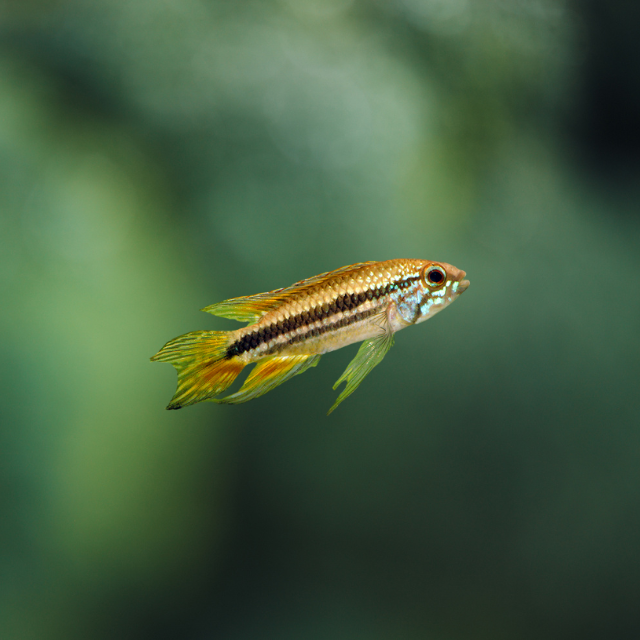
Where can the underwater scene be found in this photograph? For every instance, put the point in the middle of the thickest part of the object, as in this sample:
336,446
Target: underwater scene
158,158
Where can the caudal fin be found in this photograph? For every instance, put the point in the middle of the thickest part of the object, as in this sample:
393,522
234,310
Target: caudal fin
204,370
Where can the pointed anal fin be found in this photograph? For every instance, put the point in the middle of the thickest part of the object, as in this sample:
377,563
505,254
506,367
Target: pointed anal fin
268,374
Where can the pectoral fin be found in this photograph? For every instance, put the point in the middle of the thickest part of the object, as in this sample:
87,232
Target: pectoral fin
268,374
370,354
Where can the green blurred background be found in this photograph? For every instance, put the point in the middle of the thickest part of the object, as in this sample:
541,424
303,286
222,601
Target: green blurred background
159,156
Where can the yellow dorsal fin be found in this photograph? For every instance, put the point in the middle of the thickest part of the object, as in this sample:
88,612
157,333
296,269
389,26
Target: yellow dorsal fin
252,308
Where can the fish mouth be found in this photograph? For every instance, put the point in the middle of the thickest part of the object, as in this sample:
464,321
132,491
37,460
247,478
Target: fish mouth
462,285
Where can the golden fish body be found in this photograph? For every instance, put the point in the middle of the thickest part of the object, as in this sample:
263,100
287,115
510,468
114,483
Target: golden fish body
291,328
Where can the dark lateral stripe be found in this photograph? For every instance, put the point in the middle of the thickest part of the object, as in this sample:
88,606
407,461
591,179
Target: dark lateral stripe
315,332
345,302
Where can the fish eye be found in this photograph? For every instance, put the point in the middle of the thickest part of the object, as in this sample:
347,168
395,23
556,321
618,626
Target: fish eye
434,277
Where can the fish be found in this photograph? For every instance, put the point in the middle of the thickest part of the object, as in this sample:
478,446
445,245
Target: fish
291,328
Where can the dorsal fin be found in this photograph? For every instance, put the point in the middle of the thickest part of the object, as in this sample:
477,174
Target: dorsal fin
252,308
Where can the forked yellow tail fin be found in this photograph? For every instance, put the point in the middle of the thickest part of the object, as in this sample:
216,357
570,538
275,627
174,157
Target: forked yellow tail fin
204,370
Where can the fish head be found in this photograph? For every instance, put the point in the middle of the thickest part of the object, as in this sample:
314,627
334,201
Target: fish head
440,285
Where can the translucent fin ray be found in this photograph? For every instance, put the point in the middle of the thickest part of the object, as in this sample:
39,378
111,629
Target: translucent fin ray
370,354
252,308
203,369
268,374
241,309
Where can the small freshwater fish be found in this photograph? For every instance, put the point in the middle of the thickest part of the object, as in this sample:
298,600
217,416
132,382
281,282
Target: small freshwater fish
291,328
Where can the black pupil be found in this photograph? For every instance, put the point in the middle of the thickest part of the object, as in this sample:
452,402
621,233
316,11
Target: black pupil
435,276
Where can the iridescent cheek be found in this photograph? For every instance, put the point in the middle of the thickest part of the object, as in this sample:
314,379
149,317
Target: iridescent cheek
428,304
438,296
440,293
437,299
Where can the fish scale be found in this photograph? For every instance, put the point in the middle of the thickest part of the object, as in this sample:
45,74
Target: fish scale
290,328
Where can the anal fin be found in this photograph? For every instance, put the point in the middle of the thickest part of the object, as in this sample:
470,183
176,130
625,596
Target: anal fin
268,374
